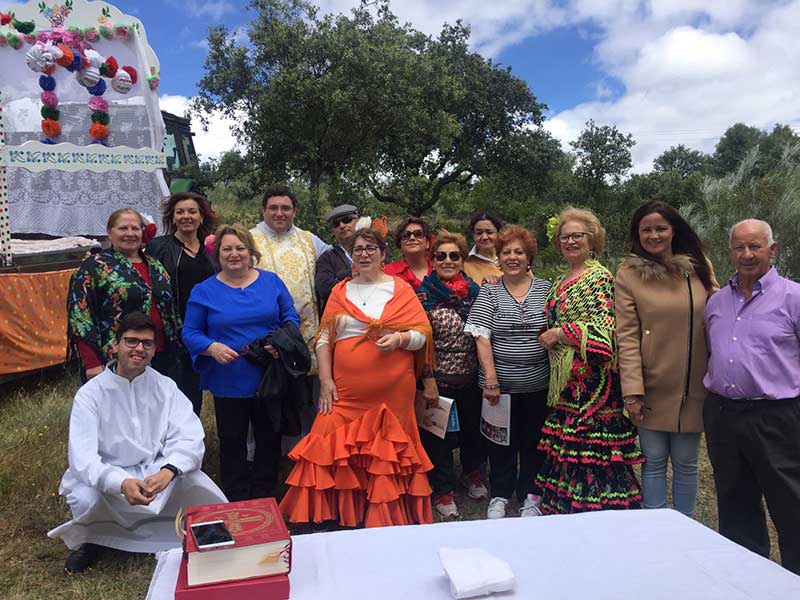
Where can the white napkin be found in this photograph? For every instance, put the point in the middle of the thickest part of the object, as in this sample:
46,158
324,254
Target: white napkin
475,572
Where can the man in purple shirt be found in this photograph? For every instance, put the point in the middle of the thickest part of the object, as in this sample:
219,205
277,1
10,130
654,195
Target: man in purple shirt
752,412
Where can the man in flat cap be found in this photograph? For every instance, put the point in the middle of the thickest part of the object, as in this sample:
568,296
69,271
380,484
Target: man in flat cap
336,264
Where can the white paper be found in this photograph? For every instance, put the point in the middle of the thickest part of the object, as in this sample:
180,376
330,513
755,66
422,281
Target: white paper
475,572
433,418
496,420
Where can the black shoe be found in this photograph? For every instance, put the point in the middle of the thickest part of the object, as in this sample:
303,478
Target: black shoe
80,559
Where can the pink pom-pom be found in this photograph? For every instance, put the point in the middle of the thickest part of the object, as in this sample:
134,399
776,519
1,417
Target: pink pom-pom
98,103
3,41
70,38
30,38
49,99
121,31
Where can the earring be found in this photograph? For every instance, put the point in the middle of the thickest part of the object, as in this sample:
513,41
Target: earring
592,255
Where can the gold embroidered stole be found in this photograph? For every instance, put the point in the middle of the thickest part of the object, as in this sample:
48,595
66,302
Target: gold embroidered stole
292,257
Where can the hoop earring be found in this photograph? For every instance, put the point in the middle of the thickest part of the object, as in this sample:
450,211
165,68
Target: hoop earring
592,255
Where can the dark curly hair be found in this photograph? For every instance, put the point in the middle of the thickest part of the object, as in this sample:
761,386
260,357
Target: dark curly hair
208,224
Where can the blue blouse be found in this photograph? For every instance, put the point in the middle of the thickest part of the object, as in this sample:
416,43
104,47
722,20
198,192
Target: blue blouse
235,317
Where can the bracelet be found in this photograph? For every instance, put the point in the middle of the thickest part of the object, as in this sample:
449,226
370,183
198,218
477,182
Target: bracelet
628,402
493,386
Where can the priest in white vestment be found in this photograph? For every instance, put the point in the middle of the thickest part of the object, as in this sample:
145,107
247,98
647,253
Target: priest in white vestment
135,451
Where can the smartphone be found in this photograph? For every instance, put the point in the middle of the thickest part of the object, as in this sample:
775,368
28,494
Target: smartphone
212,534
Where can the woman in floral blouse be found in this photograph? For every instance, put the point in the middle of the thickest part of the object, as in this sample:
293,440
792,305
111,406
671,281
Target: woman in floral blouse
109,285
447,295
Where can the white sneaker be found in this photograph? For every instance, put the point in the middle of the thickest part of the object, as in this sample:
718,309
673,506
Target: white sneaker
530,507
475,488
446,507
497,508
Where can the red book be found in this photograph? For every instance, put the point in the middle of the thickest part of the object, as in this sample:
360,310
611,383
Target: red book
262,546
264,588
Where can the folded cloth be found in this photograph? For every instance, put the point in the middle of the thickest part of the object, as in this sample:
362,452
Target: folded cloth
474,572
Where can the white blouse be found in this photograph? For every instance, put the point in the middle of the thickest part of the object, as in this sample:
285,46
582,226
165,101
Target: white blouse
371,298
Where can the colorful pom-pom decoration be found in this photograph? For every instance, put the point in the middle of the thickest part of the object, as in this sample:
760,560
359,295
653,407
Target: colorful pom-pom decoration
123,32
90,34
149,233
3,41
121,82
105,32
132,72
14,40
49,99
97,131
49,70
5,18
67,57
98,89
51,128
98,103
29,38
38,58
23,27
77,63
101,117
109,67
47,83
89,76
48,112
94,58
153,79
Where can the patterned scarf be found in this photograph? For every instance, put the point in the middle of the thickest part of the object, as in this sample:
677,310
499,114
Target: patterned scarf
457,293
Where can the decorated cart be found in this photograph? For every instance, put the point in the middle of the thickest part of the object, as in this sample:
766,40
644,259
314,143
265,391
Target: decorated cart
81,134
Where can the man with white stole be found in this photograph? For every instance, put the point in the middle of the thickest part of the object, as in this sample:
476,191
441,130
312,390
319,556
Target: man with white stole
292,254
135,451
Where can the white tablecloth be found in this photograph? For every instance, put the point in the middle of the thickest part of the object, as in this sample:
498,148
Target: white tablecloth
638,554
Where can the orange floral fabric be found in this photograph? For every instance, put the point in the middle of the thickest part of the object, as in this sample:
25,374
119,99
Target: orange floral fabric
33,320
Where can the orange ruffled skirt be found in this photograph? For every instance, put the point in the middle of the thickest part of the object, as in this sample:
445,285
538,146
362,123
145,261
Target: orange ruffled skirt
364,462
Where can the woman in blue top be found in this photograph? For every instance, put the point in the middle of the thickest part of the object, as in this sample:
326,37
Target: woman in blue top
224,314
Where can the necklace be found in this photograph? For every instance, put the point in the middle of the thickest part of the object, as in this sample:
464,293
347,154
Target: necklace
363,300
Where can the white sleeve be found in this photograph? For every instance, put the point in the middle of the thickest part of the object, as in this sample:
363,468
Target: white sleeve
323,338
320,247
183,446
416,341
85,462
481,315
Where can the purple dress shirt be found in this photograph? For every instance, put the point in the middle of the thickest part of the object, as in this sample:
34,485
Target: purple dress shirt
755,344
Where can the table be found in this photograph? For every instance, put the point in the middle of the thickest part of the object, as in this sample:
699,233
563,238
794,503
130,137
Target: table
611,555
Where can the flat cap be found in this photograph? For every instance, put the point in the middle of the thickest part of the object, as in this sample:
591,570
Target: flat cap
340,211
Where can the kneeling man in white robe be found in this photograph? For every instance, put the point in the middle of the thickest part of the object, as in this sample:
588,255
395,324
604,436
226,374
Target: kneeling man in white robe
135,450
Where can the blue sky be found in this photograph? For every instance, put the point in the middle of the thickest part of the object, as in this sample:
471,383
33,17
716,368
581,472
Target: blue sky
667,71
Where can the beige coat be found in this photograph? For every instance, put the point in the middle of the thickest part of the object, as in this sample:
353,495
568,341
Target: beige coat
655,340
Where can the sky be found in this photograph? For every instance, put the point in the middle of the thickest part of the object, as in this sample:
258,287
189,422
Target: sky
668,71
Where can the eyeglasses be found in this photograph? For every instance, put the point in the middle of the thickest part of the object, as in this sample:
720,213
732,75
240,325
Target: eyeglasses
413,233
132,342
442,256
345,219
359,250
482,232
575,237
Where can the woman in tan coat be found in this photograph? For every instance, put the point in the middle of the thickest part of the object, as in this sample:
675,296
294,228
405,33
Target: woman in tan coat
661,292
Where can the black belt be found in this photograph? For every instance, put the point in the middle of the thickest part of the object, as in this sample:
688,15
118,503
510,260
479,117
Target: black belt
743,404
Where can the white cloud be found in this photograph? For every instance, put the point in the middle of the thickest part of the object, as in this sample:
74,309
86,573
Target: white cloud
211,143
213,9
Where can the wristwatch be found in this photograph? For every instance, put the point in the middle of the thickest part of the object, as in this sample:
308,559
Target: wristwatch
176,472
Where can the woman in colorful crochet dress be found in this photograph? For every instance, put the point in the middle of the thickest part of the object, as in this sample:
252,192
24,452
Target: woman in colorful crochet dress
363,462
590,445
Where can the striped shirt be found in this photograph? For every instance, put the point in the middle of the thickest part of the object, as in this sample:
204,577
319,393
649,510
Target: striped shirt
513,328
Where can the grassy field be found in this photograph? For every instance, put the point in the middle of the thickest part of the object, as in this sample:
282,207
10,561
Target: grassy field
34,420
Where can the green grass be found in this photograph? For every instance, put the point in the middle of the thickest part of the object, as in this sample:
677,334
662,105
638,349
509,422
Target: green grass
34,422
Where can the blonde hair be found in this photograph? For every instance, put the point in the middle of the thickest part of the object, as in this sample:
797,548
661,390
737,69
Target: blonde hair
244,236
597,239
448,237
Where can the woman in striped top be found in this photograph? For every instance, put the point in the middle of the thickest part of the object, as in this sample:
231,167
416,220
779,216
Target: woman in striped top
506,320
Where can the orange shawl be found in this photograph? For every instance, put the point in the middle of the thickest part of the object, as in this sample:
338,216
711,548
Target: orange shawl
403,312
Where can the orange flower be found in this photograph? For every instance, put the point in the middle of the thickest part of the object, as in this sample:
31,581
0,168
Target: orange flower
98,131
67,58
51,128
49,70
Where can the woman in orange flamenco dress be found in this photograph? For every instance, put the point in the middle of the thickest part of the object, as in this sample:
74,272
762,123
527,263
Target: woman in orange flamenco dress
363,462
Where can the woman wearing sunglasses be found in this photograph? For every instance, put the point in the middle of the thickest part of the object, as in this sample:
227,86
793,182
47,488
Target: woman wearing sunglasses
363,461
505,320
447,296
590,445
412,236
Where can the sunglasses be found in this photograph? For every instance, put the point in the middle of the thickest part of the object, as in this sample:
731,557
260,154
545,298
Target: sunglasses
345,219
442,256
413,233
132,342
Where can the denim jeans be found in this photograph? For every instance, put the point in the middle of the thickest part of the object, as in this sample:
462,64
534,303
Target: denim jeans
659,447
